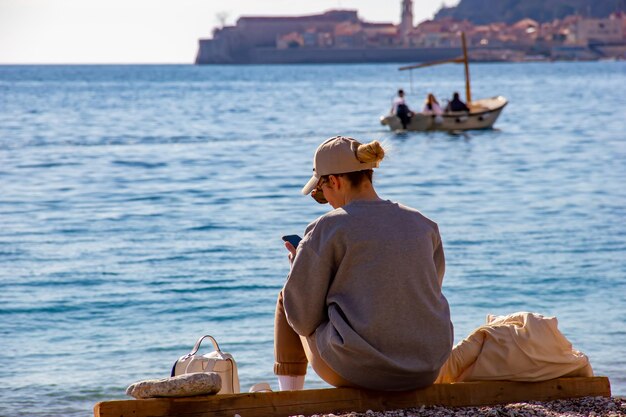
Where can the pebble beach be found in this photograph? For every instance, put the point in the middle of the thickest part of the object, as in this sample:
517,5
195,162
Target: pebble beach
578,407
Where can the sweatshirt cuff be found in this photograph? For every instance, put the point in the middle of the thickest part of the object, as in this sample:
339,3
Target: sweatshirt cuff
290,368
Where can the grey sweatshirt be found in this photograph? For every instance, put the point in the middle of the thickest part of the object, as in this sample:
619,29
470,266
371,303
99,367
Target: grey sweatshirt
365,284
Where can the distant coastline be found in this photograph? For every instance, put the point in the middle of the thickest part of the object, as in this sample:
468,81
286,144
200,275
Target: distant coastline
340,36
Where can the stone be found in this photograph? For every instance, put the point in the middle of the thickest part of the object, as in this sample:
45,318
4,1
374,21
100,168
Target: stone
186,385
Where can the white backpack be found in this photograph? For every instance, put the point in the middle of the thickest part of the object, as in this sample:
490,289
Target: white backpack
221,363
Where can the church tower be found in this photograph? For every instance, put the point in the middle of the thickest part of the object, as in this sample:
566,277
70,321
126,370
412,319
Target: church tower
406,21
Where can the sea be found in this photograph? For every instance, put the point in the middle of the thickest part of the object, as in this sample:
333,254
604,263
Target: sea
142,206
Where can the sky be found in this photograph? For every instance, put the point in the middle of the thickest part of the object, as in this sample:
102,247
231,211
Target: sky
150,31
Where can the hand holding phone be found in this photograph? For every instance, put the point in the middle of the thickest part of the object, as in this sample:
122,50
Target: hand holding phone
293,239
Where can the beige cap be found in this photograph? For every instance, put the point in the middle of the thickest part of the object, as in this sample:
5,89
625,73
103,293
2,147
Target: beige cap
336,155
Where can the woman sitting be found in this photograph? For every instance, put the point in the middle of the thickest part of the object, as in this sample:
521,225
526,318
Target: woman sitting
362,303
431,106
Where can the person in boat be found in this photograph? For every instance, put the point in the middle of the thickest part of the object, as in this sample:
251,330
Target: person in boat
456,104
401,109
431,106
362,302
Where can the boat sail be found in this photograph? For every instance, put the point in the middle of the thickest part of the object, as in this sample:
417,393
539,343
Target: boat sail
482,114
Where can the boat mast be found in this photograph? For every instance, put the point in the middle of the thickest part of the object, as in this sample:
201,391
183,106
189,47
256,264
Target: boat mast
464,59
468,90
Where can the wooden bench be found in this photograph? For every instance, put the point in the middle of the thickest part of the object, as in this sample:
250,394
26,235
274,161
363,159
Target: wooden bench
318,401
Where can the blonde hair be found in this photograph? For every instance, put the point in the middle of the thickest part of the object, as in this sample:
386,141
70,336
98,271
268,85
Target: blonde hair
370,152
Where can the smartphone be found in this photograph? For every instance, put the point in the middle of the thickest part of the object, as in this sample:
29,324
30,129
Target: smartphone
293,239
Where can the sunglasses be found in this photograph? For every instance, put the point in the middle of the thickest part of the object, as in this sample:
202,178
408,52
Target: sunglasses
318,193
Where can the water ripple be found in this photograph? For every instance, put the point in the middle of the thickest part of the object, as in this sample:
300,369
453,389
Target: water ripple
142,206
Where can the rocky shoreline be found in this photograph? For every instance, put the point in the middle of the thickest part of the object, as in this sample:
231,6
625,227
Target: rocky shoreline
578,407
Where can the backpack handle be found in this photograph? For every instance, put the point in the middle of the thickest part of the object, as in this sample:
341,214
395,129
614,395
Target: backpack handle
196,347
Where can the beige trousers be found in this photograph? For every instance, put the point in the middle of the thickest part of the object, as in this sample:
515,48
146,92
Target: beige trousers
293,352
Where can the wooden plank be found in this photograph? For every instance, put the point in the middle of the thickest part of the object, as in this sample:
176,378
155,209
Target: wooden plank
286,403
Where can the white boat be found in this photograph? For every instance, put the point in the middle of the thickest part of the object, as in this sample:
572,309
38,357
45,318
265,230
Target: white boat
483,113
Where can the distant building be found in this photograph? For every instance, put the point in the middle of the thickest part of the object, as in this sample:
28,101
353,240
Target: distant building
607,30
525,31
233,44
406,20
263,31
290,40
333,36
439,33
349,35
341,36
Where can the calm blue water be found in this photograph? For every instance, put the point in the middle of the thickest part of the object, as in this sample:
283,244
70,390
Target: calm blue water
142,206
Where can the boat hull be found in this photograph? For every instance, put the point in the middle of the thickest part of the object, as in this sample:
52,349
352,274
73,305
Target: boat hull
483,114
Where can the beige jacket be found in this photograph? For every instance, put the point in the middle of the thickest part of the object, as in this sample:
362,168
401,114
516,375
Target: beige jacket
517,347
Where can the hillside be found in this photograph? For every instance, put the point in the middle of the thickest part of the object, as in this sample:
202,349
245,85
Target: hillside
511,11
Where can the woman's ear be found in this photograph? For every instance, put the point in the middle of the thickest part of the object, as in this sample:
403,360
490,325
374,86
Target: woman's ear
333,181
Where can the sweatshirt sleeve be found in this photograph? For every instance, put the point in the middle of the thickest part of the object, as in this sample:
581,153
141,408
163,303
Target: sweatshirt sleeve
307,287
